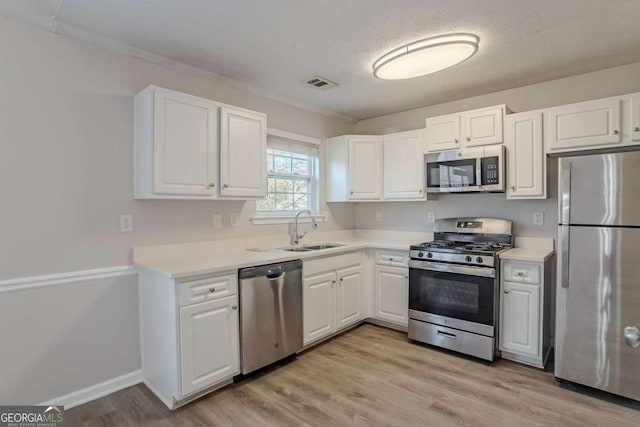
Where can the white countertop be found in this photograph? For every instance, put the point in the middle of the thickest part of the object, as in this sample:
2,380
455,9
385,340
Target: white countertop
190,259
530,249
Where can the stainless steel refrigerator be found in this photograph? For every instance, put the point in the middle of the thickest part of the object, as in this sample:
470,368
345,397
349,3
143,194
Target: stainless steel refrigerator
598,289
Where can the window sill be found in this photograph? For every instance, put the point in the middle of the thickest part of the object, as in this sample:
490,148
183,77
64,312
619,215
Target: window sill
284,219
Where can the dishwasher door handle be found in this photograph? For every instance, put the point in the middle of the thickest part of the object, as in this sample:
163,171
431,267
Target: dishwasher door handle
276,276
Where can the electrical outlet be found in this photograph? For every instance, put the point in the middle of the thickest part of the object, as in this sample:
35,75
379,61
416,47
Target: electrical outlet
431,216
217,220
538,218
126,223
378,216
235,219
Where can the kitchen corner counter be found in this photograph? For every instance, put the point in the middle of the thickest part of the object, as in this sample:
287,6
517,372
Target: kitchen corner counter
530,249
191,259
527,254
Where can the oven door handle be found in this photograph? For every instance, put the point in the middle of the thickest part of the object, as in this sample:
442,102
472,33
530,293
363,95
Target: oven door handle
449,268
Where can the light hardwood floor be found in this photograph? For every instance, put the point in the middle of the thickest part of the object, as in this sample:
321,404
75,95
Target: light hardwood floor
372,376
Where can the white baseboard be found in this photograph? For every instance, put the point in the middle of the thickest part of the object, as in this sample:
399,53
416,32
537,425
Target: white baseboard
96,391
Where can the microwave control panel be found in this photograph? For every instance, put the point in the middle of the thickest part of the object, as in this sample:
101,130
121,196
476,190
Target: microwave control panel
490,170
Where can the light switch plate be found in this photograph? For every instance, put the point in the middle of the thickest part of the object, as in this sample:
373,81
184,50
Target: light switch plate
235,219
431,216
378,216
217,220
126,223
538,218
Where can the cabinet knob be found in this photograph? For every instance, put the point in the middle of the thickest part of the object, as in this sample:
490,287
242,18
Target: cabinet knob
225,186
420,191
520,274
211,185
636,129
212,290
506,291
513,187
234,307
468,139
615,132
351,192
341,279
455,140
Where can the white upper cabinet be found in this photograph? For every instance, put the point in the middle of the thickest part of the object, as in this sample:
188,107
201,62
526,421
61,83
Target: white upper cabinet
443,133
243,151
403,165
177,142
354,168
635,117
526,166
175,145
483,126
365,168
584,125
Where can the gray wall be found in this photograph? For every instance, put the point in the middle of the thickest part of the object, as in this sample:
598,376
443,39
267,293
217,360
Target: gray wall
66,126
413,216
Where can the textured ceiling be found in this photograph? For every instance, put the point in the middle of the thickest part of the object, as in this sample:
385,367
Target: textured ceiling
277,44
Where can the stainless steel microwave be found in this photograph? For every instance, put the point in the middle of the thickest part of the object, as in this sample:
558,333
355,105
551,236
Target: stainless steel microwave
477,169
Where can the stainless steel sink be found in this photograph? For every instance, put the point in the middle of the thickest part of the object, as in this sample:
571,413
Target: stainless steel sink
323,246
309,248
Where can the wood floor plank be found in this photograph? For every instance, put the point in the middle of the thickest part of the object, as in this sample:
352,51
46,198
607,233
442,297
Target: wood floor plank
372,376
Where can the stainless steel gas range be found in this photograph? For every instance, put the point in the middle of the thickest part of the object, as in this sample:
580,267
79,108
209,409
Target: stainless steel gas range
454,285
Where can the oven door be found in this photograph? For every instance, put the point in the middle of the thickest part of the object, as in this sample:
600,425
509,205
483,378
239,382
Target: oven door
461,297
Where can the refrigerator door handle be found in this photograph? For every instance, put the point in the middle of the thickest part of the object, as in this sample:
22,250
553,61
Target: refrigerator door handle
565,191
564,255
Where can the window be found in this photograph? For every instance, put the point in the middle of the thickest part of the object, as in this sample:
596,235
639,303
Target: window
291,177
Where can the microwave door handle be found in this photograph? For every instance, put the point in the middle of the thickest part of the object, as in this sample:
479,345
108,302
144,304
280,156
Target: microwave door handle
479,172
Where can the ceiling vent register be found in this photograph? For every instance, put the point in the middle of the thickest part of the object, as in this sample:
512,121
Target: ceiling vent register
321,82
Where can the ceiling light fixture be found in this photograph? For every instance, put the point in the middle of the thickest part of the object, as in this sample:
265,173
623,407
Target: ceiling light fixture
425,56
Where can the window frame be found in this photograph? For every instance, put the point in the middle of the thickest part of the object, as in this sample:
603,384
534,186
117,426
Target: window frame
313,145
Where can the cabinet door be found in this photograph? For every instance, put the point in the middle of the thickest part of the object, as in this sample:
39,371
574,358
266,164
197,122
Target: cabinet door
483,127
635,117
526,171
442,133
209,335
184,144
403,165
365,168
586,124
243,153
318,307
521,318
348,296
392,294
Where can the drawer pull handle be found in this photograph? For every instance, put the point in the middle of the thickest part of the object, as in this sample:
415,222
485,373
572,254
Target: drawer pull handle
446,335
520,274
212,290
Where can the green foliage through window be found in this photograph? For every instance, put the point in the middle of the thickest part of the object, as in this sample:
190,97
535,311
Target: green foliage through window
289,182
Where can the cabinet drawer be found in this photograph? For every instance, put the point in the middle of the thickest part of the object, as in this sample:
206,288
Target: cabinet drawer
521,272
322,265
394,258
208,288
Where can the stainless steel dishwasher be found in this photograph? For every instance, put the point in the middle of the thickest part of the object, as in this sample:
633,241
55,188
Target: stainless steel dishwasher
270,313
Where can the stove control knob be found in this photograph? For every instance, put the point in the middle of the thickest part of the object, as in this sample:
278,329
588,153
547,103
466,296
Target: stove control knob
429,255
468,258
420,254
479,260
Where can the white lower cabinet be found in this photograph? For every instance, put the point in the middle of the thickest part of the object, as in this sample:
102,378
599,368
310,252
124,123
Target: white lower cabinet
189,334
525,311
391,294
331,295
521,318
391,287
209,343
